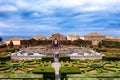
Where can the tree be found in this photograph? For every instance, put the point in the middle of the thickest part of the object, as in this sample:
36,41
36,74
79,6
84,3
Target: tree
100,44
11,44
1,39
3,46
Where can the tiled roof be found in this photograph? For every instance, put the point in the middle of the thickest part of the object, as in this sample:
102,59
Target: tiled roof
38,36
72,35
14,39
110,37
94,34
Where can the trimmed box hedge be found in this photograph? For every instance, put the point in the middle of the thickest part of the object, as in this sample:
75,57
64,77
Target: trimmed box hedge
68,70
48,72
47,59
5,58
64,58
106,58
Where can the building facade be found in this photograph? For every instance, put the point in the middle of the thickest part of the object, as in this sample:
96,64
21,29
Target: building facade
82,37
94,37
72,37
39,37
16,41
57,36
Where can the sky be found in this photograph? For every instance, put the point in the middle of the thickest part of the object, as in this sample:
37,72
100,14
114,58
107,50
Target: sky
44,17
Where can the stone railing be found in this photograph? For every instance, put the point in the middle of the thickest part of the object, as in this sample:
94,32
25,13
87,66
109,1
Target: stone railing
86,57
26,57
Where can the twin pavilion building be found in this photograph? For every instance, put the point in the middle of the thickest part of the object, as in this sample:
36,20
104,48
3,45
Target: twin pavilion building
95,38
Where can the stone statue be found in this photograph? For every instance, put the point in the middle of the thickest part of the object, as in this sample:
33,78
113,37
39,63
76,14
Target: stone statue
55,42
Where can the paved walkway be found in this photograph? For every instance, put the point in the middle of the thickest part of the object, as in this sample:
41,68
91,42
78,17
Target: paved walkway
56,65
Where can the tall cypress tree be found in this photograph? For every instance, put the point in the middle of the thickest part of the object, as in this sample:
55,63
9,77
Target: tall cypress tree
11,44
1,39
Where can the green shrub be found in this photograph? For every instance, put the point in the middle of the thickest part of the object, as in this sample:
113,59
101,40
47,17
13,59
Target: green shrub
14,65
64,58
4,68
111,44
96,66
47,59
5,58
48,72
11,44
3,62
3,46
106,58
100,50
12,50
68,70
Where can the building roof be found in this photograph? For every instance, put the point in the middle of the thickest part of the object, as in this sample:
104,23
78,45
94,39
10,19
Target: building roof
14,39
37,37
72,35
117,37
56,35
94,34
110,37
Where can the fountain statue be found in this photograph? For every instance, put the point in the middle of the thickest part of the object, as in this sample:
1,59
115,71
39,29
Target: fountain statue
55,44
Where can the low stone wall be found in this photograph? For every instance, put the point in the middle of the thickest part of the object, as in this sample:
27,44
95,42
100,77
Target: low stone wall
85,57
25,57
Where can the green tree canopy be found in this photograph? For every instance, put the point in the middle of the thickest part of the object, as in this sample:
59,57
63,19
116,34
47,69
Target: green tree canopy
11,44
1,39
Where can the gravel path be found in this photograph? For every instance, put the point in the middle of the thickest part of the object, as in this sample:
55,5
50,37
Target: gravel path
56,65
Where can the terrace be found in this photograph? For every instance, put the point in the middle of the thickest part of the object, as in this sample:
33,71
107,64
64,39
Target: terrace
74,52
25,55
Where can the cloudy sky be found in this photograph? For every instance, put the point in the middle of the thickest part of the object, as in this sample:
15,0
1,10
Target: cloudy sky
44,17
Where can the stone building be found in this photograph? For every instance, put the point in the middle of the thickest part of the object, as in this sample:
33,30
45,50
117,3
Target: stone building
16,41
39,37
72,37
111,38
81,37
58,36
94,37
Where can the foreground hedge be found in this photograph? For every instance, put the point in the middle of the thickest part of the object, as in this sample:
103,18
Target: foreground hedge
48,72
64,71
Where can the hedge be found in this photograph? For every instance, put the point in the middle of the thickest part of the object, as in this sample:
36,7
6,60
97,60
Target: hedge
48,72
4,68
100,50
47,59
64,58
3,46
12,50
68,70
5,58
106,58
111,44
14,65
95,66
